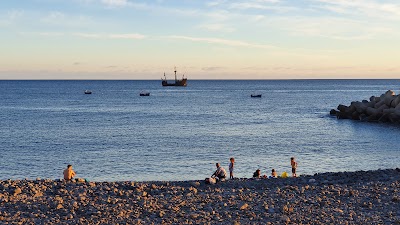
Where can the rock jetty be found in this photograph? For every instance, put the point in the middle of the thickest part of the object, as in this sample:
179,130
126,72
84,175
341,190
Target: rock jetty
362,197
385,108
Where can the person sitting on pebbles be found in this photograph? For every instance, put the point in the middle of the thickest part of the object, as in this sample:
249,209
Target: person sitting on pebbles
273,174
69,173
220,173
257,174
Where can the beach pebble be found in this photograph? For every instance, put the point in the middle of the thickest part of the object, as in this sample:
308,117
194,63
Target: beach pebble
193,190
285,219
195,184
17,191
244,206
194,215
271,210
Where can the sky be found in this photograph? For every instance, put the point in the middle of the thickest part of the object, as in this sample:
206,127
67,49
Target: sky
203,39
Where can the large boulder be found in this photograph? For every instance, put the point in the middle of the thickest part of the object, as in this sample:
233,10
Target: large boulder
385,108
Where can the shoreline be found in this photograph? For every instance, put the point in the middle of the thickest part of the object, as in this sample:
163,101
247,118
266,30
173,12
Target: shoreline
360,197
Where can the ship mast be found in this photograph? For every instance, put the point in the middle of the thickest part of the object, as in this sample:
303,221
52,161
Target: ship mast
175,74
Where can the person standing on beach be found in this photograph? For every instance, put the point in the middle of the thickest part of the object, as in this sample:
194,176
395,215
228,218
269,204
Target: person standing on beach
220,173
294,167
231,166
69,173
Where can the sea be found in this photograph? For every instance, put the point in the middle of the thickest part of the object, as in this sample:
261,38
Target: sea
179,133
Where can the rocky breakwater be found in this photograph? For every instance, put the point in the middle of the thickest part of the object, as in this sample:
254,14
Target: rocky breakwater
385,108
362,197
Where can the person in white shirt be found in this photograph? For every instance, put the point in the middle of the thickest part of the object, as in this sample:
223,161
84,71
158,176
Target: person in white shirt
220,173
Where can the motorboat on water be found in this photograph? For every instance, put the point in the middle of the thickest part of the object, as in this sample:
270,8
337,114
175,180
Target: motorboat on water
256,95
88,92
144,93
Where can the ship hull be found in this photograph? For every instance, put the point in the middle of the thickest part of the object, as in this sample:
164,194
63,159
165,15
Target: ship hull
181,83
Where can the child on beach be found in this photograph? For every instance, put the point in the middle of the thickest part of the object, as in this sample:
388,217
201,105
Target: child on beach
231,166
294,166
273,174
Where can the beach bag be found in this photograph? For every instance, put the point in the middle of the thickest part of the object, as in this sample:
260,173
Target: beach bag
80,180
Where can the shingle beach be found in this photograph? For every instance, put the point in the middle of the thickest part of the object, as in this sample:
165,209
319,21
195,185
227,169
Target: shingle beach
362,197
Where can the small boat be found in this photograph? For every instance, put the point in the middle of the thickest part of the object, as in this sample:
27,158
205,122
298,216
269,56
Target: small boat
181,83
88,92
256,95
144,93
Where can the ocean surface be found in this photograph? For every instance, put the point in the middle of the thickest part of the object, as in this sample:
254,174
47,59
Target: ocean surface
179,133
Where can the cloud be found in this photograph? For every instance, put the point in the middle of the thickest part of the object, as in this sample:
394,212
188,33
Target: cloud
328,27
11,17
54,16
126,36
251,5
217,27
109,36
260,6
65,20
212,68
44,34
85,35
115,3
216,3
227,42
380,9
15,14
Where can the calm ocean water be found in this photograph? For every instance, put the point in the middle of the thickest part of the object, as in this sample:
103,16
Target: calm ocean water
179,133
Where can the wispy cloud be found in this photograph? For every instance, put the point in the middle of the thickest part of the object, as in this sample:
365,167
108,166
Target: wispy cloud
10,17
62,20
261,5
217,27
15,14
227,42
212,68
126,36
328,27
215,3
87,35
44,34
54,16
381,9
117,3
109,36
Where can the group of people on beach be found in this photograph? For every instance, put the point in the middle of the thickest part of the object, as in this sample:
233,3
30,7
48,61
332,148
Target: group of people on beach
220,174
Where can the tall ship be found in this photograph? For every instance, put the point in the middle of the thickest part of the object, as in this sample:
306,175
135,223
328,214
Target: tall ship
181,82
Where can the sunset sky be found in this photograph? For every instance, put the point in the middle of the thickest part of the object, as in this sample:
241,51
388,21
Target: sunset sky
205,39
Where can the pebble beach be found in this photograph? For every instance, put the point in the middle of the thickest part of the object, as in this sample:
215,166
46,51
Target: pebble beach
361,197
